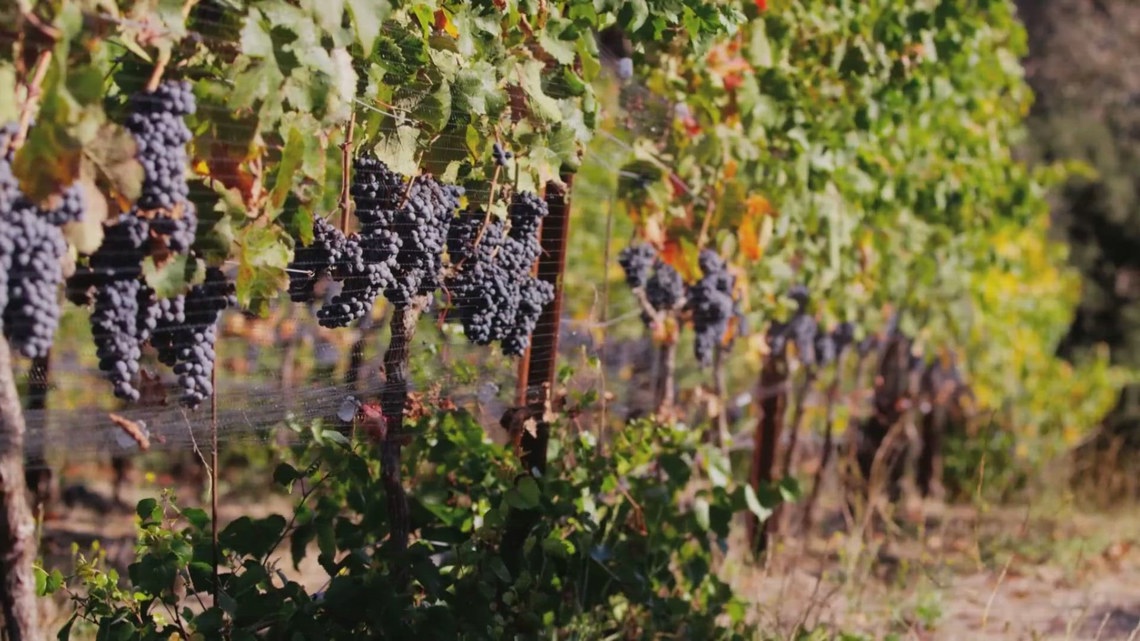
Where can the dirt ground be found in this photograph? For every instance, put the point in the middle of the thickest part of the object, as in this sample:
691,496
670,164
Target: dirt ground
1036,572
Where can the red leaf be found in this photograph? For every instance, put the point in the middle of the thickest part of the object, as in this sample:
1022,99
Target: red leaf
762,5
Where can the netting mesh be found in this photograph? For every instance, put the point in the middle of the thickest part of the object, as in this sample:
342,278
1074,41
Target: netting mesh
285,366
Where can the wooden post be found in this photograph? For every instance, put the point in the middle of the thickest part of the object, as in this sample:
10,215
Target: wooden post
38,474
773,401
17,528
537,369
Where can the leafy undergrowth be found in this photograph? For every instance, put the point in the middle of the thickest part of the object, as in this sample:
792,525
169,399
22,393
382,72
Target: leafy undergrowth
638,541
625,548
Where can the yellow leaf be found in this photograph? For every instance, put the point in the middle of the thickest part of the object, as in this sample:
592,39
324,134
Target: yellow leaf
730,169
750,239
757,206
443,23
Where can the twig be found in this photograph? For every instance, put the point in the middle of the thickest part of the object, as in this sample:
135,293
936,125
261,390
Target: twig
132,429
798,412
34,90
214,474
490,202
993,594
159,69
828,446
346,172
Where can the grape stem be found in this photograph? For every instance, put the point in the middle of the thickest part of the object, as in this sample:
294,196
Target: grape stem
490,202
346,173
159,69
34,90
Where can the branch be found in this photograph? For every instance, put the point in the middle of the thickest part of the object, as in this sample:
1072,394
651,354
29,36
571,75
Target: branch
34,90
393,401
159,69
346,172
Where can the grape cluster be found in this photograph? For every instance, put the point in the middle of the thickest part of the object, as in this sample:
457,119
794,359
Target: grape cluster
713,305
843,336
830,346
361,280
501,156
155,120
492,288
804,331
480,288
636,261
70,208
31,315
186,331
398,251
421,223
115,272
665,289
314,261
125,310
31,248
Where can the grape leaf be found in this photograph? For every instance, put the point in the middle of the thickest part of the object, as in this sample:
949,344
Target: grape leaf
86,234
262,258
291,161
172,277
112,157
544,108
8,108
367,18
561,50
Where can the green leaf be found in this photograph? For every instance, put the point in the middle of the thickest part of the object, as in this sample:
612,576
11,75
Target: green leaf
40,580
291,160
759,49
197,517
65,631
790,489
529,492
544,108
561,50
398,149
701,512
367,18
761,511
173,277
113,156
326,541
434,110
285,474
262,259
148,510
54,582
299,543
